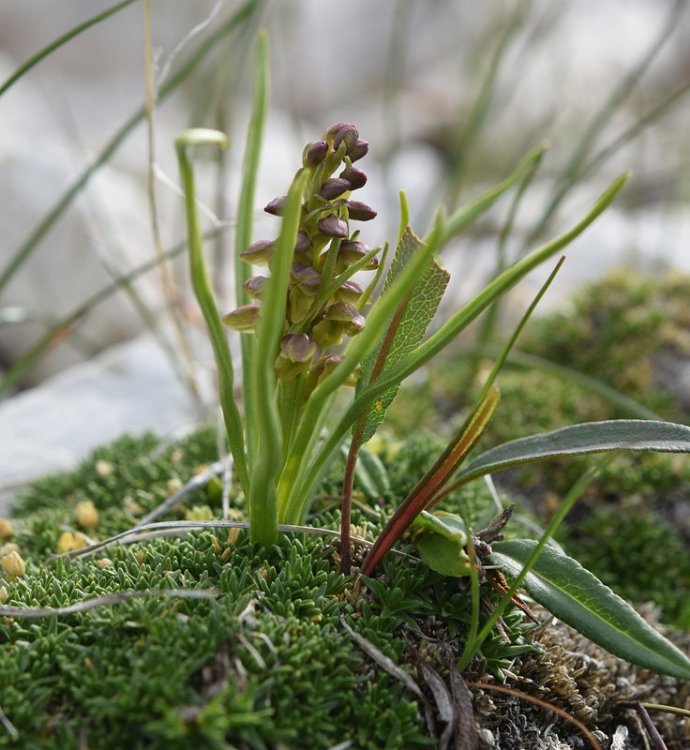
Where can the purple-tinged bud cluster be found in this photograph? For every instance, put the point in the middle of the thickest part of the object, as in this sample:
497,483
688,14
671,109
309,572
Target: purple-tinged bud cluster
322,309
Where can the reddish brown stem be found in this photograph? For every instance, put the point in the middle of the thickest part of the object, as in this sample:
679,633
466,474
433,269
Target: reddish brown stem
346,508
356,444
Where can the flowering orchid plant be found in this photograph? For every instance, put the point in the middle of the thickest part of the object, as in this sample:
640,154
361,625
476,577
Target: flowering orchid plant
311,331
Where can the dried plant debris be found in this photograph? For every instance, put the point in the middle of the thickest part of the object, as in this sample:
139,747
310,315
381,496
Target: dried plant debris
588,683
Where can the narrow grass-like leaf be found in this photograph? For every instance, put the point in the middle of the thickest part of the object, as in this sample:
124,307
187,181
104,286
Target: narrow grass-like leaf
262,498
589,437
488,327
505,281
204,295
23,69
473,123
577,597
505,351
60,330
432,481
404,216
245,218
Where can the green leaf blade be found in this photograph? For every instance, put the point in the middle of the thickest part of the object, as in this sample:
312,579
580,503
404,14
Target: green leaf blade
418,313
581,600
442,547
589,437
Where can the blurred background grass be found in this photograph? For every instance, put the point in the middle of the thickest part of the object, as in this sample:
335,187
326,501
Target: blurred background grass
448,97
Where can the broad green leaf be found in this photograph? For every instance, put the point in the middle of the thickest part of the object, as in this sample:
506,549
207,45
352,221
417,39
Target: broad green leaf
581,600
589,437
407,327
443,547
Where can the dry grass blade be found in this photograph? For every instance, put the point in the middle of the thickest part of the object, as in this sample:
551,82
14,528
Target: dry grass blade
542,704
657,740
465,731
104,601
388,665
173,528
443,701
9,726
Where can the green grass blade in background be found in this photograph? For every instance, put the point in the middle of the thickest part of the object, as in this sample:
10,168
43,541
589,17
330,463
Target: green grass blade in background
241,15
62,328
577,165
493,314
468,212
59,42
581,439
577,597
476,120
245,220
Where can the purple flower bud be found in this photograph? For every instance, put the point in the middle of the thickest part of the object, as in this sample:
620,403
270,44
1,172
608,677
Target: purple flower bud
334,187
255,286
276,206
298,347
342,312
359,211
332,226
357,150
314,153
355,177
296,353
259,253
306,277
349,292
243,318
325,366
303,243
351,251
343,131
337,320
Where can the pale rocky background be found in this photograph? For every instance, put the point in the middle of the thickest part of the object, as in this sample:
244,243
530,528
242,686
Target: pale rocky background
329,61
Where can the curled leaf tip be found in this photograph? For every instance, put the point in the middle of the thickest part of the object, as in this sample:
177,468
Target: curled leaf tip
201,137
